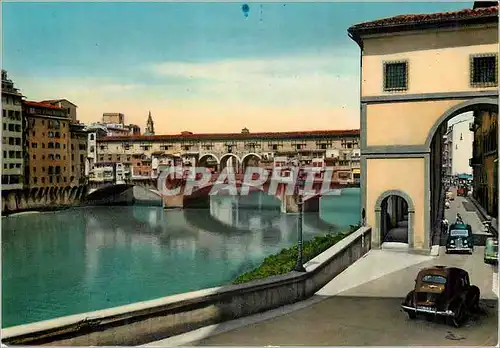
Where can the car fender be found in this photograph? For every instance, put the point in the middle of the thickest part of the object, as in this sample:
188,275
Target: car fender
472,291
409,299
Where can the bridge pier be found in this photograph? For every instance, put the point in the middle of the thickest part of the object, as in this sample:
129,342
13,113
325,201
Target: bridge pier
173,202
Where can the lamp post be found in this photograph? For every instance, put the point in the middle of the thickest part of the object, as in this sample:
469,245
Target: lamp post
299,267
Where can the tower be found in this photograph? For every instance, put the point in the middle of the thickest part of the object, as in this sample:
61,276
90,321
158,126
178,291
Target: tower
150,126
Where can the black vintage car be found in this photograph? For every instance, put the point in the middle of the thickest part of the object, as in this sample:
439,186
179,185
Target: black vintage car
442,291
460,238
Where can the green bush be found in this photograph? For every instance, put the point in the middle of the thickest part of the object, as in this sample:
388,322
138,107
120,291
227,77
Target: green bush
285,260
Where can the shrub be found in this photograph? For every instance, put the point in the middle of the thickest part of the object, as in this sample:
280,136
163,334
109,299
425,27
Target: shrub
284,261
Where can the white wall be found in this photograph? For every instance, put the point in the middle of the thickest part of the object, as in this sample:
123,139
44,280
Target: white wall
462,143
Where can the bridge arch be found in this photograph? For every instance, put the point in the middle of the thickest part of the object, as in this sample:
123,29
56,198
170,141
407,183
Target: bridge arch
233,159
208,155
392,208
245,159
203,161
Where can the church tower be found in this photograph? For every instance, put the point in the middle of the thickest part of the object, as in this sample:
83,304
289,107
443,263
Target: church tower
150,126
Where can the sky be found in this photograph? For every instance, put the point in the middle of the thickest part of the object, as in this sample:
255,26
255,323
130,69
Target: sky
201,67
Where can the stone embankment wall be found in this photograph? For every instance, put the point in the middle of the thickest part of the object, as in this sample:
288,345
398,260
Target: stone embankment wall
42,198
148,321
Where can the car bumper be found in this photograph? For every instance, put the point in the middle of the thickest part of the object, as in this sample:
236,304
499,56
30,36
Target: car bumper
493,258
423,310
459,249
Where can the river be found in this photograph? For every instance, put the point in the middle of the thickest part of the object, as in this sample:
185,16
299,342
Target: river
85,259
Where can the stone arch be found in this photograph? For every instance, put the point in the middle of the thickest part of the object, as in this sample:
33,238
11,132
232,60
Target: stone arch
378,236
206,156
223,164
458,109
248,155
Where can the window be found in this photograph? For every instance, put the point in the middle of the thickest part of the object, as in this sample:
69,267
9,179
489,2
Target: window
484,69
434,279
91,136
395,76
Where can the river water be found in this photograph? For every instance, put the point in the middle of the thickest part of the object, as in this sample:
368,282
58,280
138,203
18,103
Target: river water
85,259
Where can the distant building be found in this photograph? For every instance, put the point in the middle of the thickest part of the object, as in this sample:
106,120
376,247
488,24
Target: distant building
448,154
93,133
64,104
484,161
150,126
113,118
78,153
12,136
113,124
462,144
47,135
56,144
144,156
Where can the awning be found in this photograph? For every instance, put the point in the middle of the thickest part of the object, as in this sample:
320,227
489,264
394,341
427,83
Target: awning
356,171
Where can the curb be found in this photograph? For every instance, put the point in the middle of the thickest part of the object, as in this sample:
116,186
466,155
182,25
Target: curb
483,214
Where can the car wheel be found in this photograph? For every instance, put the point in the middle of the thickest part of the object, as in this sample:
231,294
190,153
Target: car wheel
475,305
459,314
412,315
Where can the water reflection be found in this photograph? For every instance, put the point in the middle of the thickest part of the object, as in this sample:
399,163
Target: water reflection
79,260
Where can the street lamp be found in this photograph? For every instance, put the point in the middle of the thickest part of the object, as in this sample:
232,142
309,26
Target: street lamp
299,267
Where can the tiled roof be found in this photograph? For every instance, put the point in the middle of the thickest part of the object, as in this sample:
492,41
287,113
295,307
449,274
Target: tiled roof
432,18
41,105
51,101
226,136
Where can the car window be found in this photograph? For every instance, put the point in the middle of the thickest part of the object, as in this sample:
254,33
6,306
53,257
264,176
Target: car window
434,279
459,233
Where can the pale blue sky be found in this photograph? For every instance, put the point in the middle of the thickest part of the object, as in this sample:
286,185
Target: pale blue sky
197,66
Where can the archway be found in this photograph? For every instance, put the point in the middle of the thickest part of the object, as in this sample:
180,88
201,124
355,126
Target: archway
250,160
462,147
394,218
231,162
209,161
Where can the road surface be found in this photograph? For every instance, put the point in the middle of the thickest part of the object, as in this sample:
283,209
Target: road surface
361,307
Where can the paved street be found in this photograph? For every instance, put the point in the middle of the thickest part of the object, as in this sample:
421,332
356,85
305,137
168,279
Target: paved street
361,307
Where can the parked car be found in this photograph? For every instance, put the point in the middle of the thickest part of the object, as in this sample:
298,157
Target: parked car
491,250
460,238
445,292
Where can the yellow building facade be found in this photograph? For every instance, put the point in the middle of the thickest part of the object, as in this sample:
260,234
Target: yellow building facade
417,72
